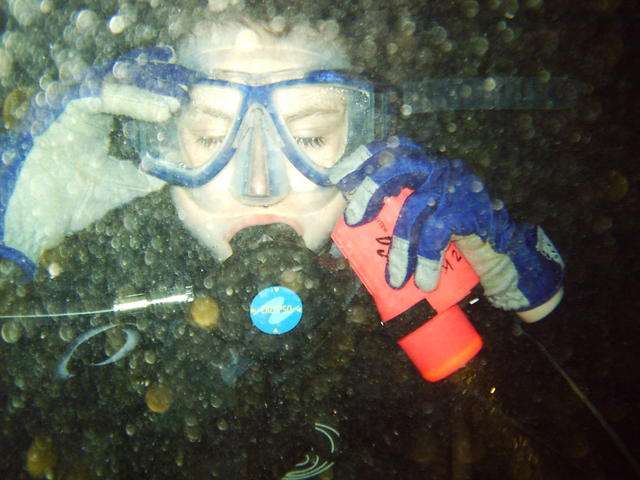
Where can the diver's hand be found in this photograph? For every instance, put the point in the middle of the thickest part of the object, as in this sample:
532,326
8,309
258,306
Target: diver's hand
518,265
141,84
57,175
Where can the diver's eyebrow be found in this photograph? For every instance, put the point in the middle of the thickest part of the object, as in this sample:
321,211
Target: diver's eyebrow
315,110
213,113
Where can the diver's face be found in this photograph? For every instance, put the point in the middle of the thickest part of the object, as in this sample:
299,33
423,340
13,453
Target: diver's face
315,116
316,119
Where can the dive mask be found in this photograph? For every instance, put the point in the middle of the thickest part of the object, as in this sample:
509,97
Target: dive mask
311,119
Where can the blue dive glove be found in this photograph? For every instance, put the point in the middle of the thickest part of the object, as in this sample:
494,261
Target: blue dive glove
518,265
56,176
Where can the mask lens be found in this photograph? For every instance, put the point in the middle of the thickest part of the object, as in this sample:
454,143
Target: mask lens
315,118
205,124
324,122
181,149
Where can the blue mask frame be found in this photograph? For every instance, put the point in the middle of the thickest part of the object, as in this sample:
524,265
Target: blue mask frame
262,95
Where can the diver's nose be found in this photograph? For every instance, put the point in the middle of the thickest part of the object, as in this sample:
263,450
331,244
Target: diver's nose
260,178
258,181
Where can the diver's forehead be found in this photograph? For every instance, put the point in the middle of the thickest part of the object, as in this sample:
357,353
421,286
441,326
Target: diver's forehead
257,63
262,61
248,53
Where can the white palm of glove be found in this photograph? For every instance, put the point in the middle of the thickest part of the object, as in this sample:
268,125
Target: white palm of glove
68,180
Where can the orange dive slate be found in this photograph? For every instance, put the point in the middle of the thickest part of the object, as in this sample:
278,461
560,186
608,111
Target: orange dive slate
445,342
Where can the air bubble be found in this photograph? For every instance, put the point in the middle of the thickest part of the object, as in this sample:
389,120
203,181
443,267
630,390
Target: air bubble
406,110
408,27
157,243
190,420
86,19
6,63
129,130
36,129
386,158
72,68
120,70
438,34
357,314
66,333
477,186
471,8
479,45
176,28
215,401
150,357
218,5
20,383
277,24
149,257
194,433
46,7
330,29
8,157
508,35
11,332
18,401
393,142
24,11
51,91
489,84
130,222
544,76
118,24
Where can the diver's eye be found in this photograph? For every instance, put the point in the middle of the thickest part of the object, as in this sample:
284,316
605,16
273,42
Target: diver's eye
209,142
311,142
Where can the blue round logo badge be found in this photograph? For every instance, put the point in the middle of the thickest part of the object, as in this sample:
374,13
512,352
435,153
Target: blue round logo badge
276,310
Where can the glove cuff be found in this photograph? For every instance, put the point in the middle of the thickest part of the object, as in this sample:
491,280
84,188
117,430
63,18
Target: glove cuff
524,273
539,265
538,313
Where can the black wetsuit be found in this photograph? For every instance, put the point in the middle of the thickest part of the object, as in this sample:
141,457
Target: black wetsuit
244,403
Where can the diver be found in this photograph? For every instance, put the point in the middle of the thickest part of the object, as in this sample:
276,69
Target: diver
245,143
225,165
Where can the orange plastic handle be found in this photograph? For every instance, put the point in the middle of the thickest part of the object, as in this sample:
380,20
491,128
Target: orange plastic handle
445,342
366,248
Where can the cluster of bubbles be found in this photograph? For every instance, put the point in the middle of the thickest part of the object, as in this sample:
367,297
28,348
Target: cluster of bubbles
519,154
44,42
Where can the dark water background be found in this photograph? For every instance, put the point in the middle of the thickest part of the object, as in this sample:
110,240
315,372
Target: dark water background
575,171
